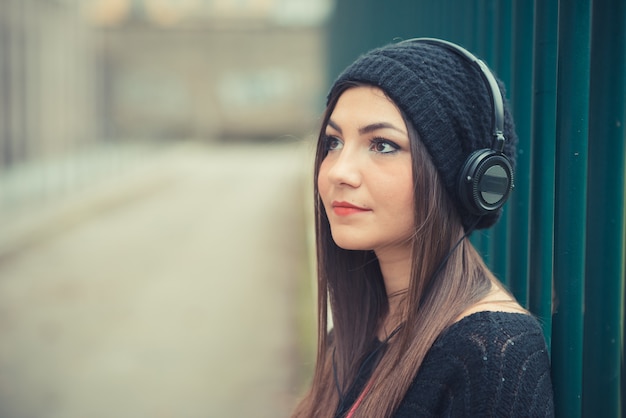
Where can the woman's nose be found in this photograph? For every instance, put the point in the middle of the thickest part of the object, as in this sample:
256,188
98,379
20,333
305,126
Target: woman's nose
344,169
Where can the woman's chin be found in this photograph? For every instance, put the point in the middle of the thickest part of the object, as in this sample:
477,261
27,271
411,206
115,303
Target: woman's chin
351,244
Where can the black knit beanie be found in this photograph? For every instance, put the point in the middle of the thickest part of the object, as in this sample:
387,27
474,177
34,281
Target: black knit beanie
447,101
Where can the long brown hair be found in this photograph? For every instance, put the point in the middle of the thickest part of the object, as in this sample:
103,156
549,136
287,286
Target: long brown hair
443,283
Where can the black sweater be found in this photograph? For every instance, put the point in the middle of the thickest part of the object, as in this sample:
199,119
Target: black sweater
489,364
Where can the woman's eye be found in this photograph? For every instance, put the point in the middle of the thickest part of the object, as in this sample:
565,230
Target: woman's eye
383,146
333,143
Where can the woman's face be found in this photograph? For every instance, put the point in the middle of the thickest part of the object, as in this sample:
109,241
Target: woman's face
365,181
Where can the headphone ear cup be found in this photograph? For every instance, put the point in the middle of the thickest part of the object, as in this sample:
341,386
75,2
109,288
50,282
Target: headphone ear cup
485,182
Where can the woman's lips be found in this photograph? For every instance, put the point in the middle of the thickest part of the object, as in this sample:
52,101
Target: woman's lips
345,209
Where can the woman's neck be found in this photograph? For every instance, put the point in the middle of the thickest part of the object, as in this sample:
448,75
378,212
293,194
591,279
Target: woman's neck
395,266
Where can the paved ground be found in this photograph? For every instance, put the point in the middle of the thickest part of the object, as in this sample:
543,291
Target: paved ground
170,293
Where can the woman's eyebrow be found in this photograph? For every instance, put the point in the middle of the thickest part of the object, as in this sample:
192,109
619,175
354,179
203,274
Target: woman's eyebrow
369,128
334,126
380,125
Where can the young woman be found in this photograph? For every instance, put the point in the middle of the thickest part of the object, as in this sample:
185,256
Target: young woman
415,152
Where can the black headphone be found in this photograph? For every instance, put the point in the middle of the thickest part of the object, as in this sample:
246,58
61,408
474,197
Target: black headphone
486,179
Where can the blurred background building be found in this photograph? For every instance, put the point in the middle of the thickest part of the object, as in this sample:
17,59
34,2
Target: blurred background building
76,75
209,69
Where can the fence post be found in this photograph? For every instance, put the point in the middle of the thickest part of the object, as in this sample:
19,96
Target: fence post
570,207
605,212
541,260
521,103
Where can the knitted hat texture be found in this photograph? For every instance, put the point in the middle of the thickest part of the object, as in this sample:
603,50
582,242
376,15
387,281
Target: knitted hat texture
446,100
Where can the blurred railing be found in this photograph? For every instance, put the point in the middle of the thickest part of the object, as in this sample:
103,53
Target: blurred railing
561,244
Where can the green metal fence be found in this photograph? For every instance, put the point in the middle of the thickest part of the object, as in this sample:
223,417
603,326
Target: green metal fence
561,246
